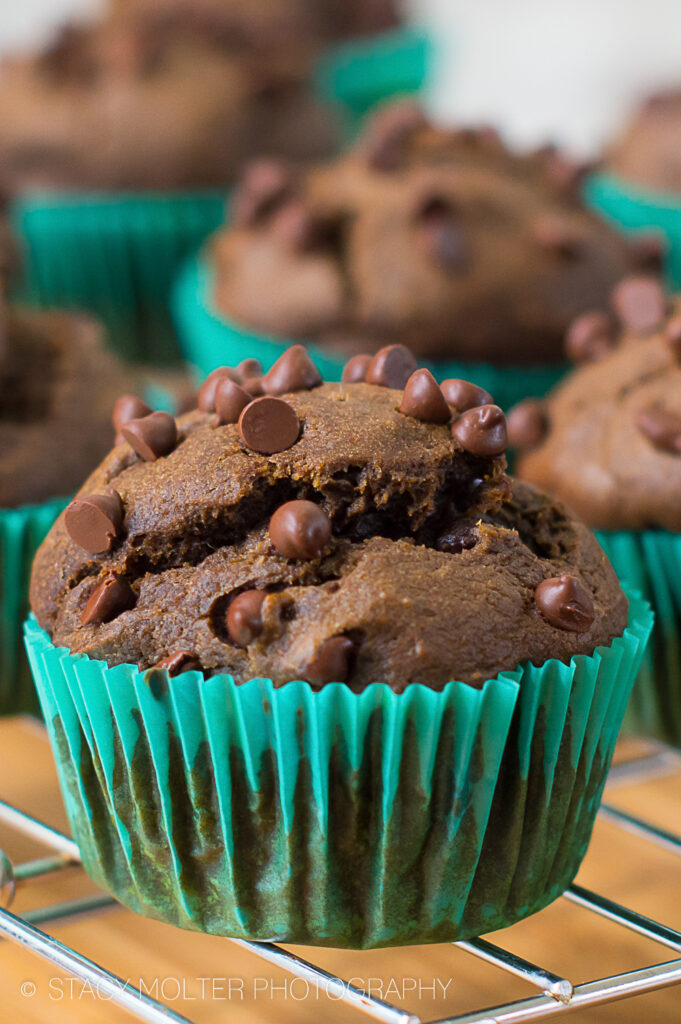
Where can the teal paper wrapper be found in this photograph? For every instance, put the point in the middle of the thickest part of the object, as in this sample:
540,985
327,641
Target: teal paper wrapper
116,257
329,817
21,533
650,561
208,341
637,210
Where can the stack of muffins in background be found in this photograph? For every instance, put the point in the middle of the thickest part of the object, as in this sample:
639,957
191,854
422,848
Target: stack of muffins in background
314,666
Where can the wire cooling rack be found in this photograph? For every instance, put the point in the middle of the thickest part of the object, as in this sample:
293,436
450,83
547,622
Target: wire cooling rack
556,994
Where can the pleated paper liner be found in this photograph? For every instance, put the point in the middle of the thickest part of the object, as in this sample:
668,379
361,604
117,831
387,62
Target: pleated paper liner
639,210
21,532
115,256
650,561
208,341
329,817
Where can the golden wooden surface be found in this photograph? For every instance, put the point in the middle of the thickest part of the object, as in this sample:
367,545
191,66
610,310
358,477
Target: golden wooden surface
562,938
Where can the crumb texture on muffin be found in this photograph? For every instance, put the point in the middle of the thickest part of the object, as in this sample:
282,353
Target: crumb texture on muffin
371,545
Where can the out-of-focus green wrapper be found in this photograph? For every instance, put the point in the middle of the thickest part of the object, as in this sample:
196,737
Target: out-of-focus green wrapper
21,533
329,817
363,72
650,561
638,210
208,341
115,256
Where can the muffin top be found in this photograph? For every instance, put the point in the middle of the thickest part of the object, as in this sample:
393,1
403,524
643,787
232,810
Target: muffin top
85,112
608,439
359,532
649,152
57,387
441,240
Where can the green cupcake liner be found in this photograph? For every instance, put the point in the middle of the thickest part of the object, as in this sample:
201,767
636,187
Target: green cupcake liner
21,533
638,210
208,341
116,257
330,817
363,72
650,562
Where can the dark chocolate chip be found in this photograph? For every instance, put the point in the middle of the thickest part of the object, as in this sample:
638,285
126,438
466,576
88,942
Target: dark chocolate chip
423,399
209,387
300,529
268,425
565,603
332,663
355,370
264,185
463,395
249,368
179,661
648,252
557,237
672,334
94,521
293,371
661,427
527,424
109,598
388,133
253,385
230,400
151,436
296,226
442,236
482,431
590,338
391,367
128,407
640,303
244,617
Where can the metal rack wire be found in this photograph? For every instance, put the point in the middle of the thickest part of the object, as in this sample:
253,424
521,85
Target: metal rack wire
555,994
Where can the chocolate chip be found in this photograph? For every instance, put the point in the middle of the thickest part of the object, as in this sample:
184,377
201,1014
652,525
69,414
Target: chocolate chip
230,400
463,395
566,175
442,237
648,252
109,598
527,424
388,133
94,521
590,338
268,425
332,663
672,334
300,529
264,185
355,370
391,367
661,427
557,237
249,368
253,385
293,371
209,387
640,303
565,603
180,661
244,617
297,227
128,407
423,399
482,431
151,436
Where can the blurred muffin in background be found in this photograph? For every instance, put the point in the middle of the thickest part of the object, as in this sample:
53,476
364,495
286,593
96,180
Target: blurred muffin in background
648,153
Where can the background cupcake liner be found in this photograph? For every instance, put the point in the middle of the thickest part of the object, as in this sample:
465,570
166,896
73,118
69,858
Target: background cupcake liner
208,340
639,210
21,532
363,72
650,562
116,256
334,818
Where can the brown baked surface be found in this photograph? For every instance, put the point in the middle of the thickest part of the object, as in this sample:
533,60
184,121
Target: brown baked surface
648,153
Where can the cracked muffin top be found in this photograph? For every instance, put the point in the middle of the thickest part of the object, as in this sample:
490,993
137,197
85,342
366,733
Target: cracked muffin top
607,440
85,112
441,240
648,154
358,532
58,384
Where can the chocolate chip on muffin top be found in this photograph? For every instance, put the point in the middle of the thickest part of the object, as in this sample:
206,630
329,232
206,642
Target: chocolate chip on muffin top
350,532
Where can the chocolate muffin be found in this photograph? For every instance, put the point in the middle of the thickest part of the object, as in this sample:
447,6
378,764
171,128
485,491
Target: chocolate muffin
608,440
333,534
648,154
442,240
85,113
